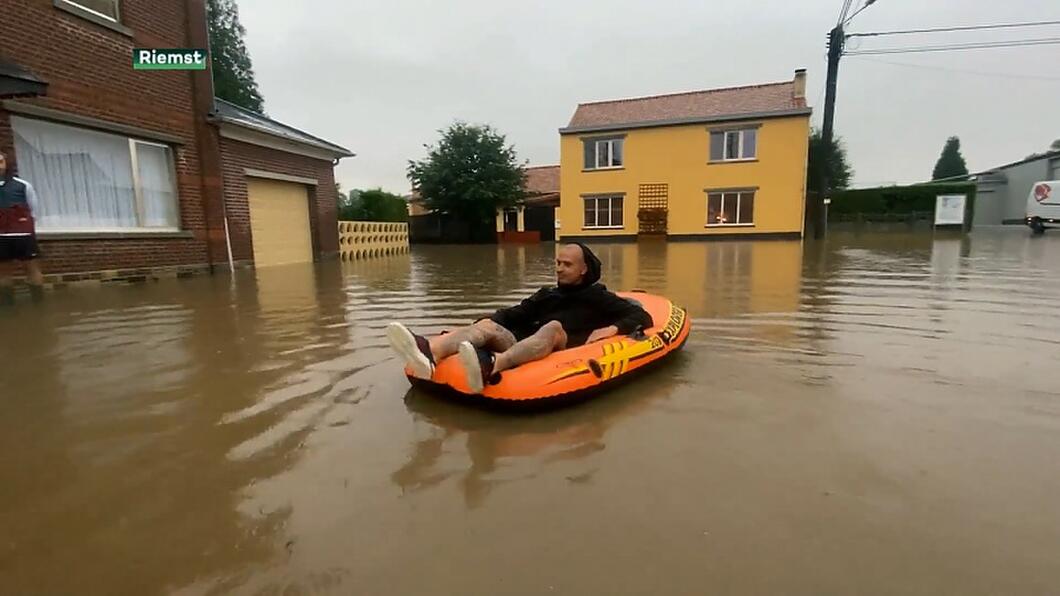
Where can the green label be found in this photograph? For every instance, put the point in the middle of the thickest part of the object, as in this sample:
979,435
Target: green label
169,59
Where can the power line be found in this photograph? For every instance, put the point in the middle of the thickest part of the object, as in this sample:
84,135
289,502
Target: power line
961,71
951,29
843,11
868,3
1044,41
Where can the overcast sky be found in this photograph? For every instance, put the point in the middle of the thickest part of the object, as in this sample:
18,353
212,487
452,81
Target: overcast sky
381,77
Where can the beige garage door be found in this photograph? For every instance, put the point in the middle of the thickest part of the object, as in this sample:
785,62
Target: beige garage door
279,222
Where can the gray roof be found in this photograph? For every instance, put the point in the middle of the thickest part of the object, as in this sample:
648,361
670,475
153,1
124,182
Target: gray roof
229,112
1046,155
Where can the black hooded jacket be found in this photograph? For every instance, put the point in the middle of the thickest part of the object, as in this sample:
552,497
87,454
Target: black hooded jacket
581,309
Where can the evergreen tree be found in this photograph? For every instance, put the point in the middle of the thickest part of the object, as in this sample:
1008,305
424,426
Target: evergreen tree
833,160
951,162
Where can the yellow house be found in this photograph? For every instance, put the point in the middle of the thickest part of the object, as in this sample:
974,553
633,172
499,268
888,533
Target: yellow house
706,164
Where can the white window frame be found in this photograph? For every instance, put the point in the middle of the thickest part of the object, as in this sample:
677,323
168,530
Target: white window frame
117,10
742,132
610,202
739,199
611,142
137,190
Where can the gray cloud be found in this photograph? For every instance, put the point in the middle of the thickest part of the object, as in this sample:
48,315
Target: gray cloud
382,77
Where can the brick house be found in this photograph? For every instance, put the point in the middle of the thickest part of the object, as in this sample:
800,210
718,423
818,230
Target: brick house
143,171
269,171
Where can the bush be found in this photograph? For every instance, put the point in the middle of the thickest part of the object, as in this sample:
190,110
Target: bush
373,205
894,200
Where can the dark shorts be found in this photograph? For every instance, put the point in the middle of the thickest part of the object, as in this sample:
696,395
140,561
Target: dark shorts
18,248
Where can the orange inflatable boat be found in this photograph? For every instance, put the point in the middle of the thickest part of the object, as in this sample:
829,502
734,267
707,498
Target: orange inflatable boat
578,371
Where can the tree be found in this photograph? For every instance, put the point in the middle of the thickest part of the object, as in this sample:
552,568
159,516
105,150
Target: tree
832,160
233,75
951,162
470,174
341,198
373,205
379,205
1055,145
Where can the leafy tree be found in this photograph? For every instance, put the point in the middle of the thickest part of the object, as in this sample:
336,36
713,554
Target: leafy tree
832,161
470,174
951,162
373,205
233,75
341,198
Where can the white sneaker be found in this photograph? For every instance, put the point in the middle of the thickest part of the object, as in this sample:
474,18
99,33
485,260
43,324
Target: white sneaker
413,349
474,366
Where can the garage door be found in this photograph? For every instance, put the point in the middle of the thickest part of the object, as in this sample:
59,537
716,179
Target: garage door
279,222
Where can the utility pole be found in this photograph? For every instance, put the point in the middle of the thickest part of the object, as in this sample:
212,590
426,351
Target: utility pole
836,38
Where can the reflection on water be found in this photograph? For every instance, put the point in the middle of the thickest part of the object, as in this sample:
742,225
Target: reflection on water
873,413
498,447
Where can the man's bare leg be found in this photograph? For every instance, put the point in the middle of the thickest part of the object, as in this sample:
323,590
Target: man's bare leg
483,334
479,366
548,339
422,354
7,288
35,278
33,273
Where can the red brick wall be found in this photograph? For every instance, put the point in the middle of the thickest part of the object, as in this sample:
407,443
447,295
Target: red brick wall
323,210
89,71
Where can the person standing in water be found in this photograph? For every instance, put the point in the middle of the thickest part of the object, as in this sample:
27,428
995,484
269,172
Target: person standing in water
18,237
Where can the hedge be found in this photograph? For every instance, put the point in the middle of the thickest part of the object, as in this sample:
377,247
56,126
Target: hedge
919,198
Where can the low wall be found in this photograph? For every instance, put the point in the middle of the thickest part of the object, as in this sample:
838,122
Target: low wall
518,237
367,239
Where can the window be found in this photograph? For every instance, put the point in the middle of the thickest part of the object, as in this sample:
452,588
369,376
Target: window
734,145
90,181
107,9
603,153
603,212
731,208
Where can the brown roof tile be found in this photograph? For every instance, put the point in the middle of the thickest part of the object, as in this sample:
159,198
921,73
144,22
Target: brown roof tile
542,179
694,106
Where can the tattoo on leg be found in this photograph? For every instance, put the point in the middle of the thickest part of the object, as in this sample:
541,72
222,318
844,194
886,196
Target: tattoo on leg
547,340
484,334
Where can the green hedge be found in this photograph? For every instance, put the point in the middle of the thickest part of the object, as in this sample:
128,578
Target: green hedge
896,200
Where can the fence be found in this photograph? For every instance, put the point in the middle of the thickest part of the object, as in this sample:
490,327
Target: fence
367,239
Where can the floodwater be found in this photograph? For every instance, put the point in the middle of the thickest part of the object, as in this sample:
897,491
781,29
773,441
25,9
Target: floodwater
877,414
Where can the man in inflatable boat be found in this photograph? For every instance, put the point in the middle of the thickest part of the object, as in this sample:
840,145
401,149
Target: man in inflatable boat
577,310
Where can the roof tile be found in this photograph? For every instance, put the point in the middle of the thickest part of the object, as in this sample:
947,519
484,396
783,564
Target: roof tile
705,105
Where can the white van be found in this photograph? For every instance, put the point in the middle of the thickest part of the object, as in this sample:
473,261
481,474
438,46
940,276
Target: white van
1043,206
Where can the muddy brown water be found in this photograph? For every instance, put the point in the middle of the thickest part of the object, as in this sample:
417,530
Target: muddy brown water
878,414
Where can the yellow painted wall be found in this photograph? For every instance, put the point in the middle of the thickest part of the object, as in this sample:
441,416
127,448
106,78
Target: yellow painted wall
678,156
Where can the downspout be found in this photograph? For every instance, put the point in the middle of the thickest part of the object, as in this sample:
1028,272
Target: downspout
203,136
228,237
213,110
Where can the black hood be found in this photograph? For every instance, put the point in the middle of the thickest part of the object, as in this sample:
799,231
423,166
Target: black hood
592,268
